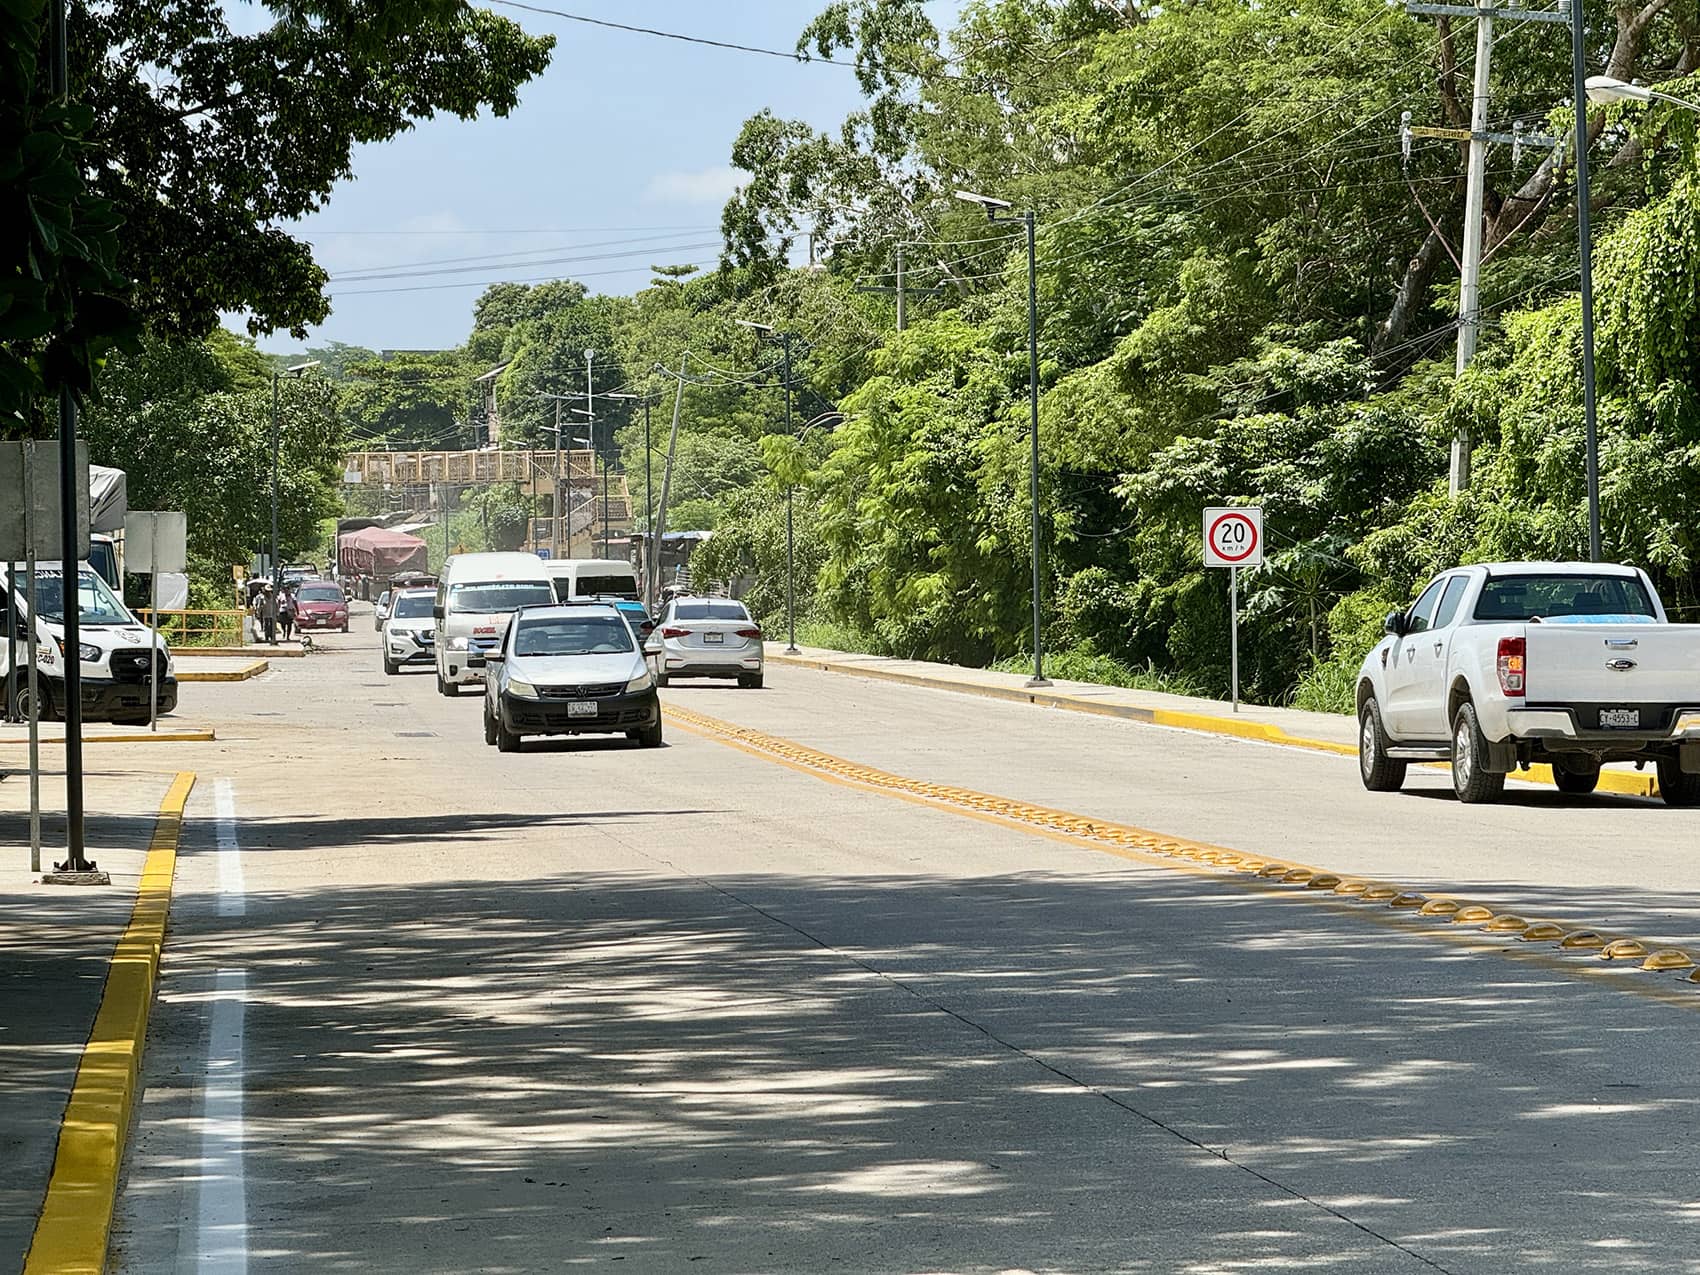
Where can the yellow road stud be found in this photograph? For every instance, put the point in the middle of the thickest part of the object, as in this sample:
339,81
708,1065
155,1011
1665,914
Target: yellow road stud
1506,923
1624,949
1543,932
1407,899
1298,875
1582,939
1351,887
1668,958
1322,881
1439,907
1275,870
1379,894
1474,914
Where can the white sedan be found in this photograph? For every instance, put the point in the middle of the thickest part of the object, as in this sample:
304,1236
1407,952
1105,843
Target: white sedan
707,637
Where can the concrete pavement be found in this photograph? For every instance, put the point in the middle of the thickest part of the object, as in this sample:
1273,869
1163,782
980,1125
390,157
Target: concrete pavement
428,1007
55,945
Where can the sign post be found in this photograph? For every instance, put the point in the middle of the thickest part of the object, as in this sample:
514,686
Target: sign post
153,543
1233,538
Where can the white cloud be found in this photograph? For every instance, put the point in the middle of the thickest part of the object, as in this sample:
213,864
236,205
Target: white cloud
707,186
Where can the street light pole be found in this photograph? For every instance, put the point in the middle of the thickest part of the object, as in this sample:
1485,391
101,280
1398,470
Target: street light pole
277,373
993,207
1585,246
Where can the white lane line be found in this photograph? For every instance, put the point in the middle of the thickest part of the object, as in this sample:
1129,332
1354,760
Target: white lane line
232,900
222,1222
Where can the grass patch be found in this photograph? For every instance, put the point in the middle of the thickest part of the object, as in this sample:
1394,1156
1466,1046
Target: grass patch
1329,686
831,635
1104,670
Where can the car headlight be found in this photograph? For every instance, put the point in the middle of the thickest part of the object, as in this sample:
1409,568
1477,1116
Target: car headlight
88,654
521,690
456,644
642,682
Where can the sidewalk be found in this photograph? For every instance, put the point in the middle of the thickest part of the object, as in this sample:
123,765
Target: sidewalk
1289,727
56,944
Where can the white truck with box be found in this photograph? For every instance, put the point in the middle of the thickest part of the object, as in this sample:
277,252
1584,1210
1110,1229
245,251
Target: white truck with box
476,597
1499,666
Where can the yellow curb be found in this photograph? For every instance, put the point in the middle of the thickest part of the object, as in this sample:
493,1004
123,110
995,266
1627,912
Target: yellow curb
234,675
1614,781
76,1216
150,737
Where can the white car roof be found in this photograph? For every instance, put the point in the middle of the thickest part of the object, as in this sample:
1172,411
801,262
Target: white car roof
489,567
1553,568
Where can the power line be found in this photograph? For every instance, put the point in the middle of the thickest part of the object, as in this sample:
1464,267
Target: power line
541,278
493,257
670,35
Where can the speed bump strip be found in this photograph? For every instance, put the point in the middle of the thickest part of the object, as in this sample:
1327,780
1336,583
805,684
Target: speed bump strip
1099,832
76,1216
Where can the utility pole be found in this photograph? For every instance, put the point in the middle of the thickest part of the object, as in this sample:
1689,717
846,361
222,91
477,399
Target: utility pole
785,339
1585,248
555,491
902,309
1475,188
653,586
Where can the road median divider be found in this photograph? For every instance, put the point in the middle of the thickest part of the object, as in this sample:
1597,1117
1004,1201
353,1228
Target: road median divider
75,1225
242,674
1096,702
1561,946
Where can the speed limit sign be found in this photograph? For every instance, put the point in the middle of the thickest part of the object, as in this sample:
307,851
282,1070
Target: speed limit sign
1233,537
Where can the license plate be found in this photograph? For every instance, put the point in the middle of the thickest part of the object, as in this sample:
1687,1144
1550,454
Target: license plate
714,637
582,708
1621,718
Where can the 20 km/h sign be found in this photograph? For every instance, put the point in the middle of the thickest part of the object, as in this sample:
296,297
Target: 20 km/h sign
1233,537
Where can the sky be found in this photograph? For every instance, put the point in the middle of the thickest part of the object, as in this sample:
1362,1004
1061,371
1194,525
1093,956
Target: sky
624,137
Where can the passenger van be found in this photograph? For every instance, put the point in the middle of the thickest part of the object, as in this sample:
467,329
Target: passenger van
114,648
576,578
476,597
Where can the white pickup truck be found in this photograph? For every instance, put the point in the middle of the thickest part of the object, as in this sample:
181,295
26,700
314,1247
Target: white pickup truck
1500,665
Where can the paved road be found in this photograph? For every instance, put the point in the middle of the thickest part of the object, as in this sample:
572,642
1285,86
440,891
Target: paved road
428,1007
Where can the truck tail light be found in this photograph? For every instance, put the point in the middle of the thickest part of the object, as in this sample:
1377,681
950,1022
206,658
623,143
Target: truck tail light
749,633
1512,651
671,632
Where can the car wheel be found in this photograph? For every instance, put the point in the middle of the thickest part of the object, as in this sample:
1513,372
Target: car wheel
650,737
1473,784
661,679
391,667
751,682
445,687
1379,772
489,724
506,740
1675,786
22,703
1577,778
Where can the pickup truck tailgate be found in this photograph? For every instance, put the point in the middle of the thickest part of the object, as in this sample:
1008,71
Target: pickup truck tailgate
1606,664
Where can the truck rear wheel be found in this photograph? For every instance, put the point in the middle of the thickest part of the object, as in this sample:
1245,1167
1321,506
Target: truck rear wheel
1676,786
1379,772
1473,784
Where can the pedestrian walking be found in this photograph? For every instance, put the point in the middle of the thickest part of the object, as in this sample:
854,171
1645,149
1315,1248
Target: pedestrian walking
286,613
266,613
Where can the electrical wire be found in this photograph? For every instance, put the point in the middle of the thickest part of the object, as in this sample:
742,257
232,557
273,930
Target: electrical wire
350,276
671,35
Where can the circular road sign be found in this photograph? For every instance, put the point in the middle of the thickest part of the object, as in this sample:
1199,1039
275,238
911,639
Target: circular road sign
1233,537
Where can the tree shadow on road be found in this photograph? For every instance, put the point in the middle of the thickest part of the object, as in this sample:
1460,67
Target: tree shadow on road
1132,1070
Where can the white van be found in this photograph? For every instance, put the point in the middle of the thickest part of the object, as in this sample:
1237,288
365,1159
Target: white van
476,597
576,578
114,647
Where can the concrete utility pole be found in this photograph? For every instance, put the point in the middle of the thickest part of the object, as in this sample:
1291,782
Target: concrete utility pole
1475,189
653,585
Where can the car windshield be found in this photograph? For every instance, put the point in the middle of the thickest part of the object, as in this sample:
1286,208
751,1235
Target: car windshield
710,611
319,593
95,603
573,635
412,606
495,596
1587,598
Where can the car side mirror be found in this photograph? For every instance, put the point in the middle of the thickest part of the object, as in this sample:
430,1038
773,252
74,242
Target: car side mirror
1394,625
652,647
436,613
494,657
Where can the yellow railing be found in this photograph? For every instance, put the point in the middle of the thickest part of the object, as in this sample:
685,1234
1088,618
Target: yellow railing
198,628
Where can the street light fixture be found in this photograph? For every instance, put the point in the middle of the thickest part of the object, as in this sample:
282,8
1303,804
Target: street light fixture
1606,89
277,374
993,207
